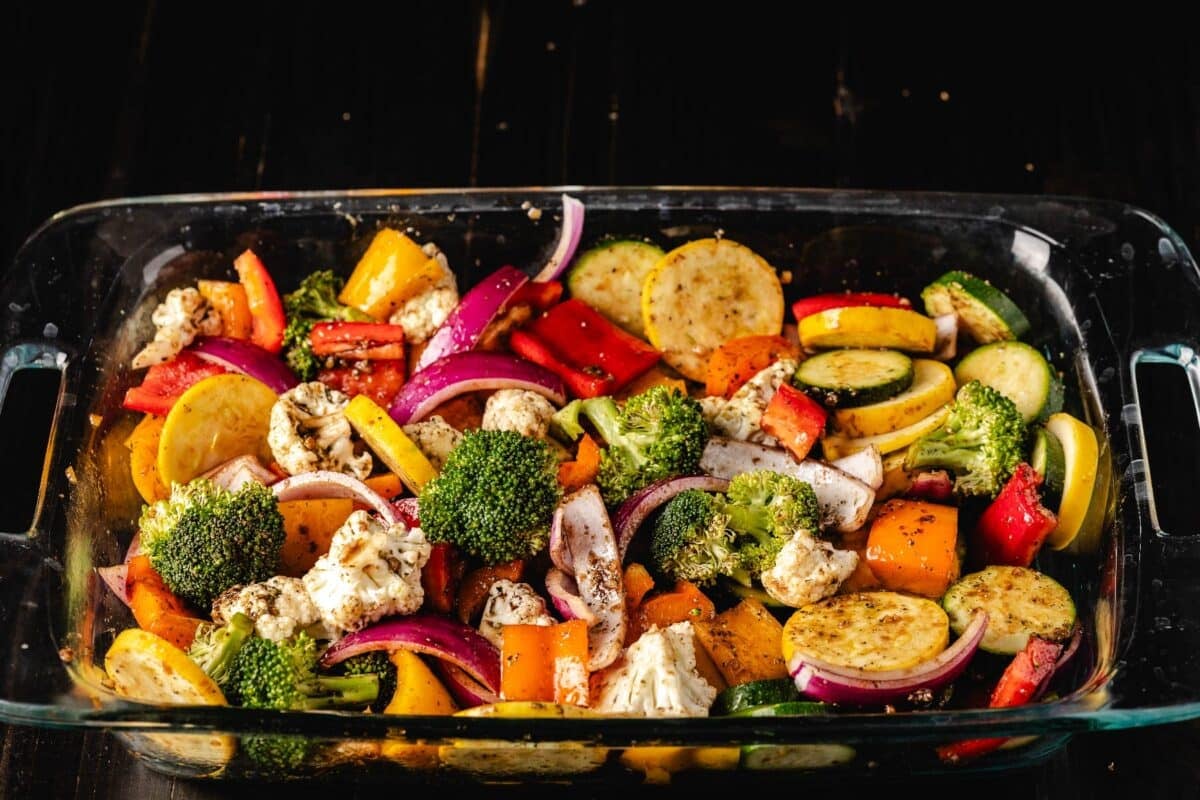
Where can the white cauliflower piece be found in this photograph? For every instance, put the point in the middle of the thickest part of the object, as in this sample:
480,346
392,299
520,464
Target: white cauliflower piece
279,606
370,572
740,417
520,411
309,431
422,314
807,570
435,438
178,320
657,677
510,603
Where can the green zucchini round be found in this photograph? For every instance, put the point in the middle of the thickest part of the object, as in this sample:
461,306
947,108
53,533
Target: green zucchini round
854,377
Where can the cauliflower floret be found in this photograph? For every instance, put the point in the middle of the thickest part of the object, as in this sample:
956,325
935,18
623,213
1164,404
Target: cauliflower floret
741,416
510,603
435,438
279,606
309,431
370,571
657,677
178,320
423,313
520,411
807,569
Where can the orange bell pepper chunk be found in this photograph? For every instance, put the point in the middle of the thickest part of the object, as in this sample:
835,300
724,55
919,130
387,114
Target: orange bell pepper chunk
912,547
576,474
545,662
684,603
231,303
478,582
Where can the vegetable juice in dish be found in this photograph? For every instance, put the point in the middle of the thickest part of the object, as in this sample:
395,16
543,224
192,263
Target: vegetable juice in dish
594,493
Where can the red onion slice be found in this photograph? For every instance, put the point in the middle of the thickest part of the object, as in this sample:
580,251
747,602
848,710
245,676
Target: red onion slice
564,593
429,634
237,472
323,485
833,683
116,579
1067,654
467,691
568,240
640,505
246,358
589,537
933,485
467,322
467,372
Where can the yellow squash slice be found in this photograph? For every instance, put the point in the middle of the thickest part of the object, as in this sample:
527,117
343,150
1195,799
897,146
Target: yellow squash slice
869,326
837,446
705,293
875,631
217,419
1081,454
503,758
933,386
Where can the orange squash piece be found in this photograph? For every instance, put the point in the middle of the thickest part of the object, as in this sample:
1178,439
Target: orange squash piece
862,579
655,376
232,305
739,360
637,584
912,547
684,603
143,458
388,485
745,642
309,526
576,474
545,662
155,607
478,582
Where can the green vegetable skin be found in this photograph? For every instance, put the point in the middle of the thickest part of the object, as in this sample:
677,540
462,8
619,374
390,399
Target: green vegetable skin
980,442
203,539
494,497
659,434
283,676
314,301
744,698
375,662
215,648
700,537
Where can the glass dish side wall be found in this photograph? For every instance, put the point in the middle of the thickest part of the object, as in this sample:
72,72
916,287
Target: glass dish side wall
113,262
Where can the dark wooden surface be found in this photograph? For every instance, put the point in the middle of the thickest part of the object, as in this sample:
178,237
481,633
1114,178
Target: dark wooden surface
143,97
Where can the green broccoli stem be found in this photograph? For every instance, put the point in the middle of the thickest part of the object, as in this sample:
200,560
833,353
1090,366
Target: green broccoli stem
329,691
224,647
950,453
605,417
753,521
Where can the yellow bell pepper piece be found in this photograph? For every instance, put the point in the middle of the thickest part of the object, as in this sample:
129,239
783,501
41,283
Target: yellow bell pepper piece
393,269
418,691
385,437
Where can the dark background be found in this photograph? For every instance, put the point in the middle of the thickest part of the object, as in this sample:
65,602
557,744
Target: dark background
144,97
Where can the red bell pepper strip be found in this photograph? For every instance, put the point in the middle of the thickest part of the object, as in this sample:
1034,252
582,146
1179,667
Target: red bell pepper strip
267,318
378,380
1029,669
807,306
795,419
1011,530
538,294
593,356
164,383
357,341
441,576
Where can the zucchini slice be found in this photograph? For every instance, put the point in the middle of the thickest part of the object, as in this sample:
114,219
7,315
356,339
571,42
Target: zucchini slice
790,708
869,326
705,293
838,446
770,692
875,631
1017,371
609,278
932,387
845,378
1020,602
1081,457
1048,461
796,756
986,313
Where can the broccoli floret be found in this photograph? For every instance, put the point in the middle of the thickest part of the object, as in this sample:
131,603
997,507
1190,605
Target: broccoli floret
660,433
691,539
283,676
376,662
216,646
277,755
314,301
765,509
494,497
204,539
980,442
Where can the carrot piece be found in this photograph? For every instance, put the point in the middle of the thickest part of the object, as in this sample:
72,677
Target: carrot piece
143,458
684,603
912,547
309,526
582,471
229,299
655,376
387,485
637,583
545,662
739,360
478,582
155,607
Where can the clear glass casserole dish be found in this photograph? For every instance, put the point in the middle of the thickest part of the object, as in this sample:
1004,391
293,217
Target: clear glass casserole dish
1107,288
